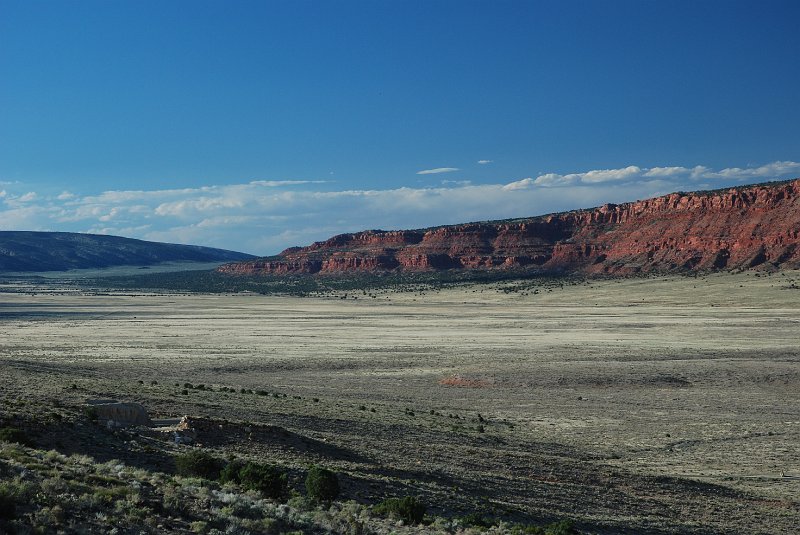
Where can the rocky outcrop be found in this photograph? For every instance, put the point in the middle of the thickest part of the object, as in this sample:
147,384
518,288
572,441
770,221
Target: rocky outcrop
735,228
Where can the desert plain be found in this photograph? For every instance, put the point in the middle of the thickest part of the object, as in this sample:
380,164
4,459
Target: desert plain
663,404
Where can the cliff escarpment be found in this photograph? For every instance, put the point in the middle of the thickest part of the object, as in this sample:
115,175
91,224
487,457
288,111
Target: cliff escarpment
724,229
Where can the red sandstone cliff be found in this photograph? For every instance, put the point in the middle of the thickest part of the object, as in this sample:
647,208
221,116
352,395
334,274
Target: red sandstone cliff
737,228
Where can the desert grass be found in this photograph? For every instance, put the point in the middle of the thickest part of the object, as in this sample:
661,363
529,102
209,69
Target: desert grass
659,405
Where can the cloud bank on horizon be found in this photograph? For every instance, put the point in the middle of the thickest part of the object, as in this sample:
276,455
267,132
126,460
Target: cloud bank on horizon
265,216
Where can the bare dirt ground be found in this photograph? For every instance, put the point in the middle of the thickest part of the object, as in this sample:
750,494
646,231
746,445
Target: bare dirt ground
653,405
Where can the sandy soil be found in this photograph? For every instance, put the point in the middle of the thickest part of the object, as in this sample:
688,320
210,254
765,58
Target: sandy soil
660,405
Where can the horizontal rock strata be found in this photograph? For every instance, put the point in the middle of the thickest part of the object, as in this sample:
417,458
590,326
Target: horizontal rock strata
724,229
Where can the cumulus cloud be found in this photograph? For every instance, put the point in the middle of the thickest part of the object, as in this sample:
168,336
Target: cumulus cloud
595,176
665,172
18,200
605,175
554,179
633,172
264,217
437,170
768,170
699,171
484,162
519,184
27,217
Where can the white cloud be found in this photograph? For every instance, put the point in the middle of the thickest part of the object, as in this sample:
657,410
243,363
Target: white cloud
596,176
205,204
519,184
437,170
456,182
606,175
65,196
698,171
665,172
27,217
110,215
632,172
16,200
554,179
484,162
774,169
136,231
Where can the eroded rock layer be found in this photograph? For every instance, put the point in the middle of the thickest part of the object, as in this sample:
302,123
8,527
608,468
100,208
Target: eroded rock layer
736,228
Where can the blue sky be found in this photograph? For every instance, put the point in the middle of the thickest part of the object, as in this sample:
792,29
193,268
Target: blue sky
260,125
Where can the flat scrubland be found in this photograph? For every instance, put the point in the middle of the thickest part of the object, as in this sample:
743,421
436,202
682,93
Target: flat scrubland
642,405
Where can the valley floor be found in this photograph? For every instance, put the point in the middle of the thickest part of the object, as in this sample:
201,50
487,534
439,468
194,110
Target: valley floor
643,405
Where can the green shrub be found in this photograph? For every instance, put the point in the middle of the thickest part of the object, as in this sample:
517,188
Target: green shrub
408,509
527,530
110,495
321,484
12,434
198,464
477,520
230,472
563,527
268,480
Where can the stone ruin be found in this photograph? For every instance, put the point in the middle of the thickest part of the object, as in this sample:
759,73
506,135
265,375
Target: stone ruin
115,414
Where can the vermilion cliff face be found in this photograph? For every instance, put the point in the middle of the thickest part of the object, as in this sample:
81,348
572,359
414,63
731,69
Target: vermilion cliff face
737,228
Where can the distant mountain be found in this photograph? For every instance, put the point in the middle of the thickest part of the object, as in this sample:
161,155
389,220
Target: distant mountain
740,227
22,251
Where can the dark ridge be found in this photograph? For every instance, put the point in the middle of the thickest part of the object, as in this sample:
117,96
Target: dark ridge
27,251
